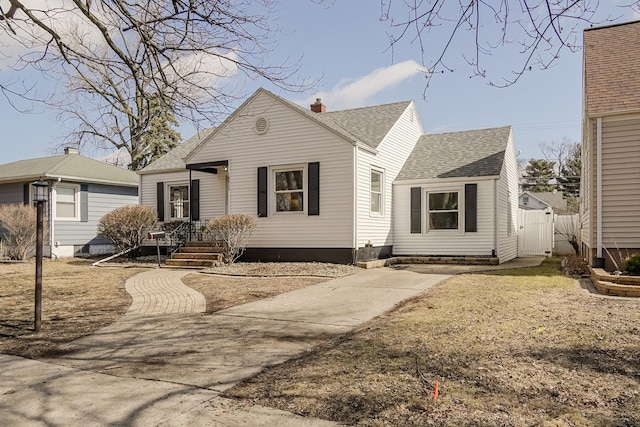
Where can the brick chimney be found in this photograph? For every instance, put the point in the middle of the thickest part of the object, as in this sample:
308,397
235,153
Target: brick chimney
318,106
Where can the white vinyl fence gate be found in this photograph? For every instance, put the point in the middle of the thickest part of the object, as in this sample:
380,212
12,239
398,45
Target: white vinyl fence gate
535,236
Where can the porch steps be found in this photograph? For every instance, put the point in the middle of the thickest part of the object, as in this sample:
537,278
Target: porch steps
195,254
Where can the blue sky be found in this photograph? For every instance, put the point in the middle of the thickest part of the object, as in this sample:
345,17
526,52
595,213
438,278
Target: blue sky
346,45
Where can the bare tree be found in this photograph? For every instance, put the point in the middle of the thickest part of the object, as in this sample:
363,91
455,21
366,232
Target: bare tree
537,30
560,152
124,60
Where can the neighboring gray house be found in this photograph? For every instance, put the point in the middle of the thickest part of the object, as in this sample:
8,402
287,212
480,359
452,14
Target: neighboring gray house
81,191
325,185
553,200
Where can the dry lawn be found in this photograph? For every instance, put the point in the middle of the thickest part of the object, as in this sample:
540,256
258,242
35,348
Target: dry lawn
513,348
77,300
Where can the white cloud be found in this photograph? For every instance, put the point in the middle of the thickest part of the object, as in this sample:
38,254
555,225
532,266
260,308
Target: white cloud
357,93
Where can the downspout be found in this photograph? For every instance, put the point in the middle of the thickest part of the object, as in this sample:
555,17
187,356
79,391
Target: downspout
495,219
190,207
354,243
51,216
599,187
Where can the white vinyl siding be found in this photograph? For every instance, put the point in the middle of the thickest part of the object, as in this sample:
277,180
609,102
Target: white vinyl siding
444,242
393,151
507,194
291,139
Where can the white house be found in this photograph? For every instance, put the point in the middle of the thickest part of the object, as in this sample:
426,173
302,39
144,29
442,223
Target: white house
321,184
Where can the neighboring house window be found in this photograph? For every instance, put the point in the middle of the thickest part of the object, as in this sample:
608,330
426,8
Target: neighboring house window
377,186
179,201
67,202
289,189
443,210
525,200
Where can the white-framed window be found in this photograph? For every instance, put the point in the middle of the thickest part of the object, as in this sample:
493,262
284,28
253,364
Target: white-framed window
289,189
67,202
376,197
178,201
443,210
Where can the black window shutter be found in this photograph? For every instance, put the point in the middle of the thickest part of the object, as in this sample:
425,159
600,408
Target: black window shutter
160,200
262,192
314,188
416,210
195,199
471,207
26,193
84,202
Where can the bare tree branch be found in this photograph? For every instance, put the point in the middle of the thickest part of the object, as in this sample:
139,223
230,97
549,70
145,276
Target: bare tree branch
124,62
542,29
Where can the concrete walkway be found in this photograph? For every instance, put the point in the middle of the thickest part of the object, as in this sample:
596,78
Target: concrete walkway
162,292
165,363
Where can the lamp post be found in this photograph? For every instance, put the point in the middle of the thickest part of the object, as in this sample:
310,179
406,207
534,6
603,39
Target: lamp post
40,189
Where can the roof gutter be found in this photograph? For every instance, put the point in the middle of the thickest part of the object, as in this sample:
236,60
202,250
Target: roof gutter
446,180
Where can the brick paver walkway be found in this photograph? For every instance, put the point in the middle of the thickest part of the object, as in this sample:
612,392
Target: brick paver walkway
161,291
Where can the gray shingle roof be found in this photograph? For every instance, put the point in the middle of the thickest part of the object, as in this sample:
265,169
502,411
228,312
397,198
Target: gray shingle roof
368,125
470,153
174,159
70,167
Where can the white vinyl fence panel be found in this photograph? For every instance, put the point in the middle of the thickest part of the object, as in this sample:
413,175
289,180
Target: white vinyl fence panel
535,236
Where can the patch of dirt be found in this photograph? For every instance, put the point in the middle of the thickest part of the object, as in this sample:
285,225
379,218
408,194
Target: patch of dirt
507,348
223,291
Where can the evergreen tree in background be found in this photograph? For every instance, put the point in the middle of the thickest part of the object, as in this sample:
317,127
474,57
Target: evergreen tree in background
158,138
538,176
569,179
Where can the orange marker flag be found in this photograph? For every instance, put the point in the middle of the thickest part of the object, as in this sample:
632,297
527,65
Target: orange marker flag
435,390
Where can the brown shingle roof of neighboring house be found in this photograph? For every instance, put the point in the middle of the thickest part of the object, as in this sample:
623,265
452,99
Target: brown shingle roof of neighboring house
612,68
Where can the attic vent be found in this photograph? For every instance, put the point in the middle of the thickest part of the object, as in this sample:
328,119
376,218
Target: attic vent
261,126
